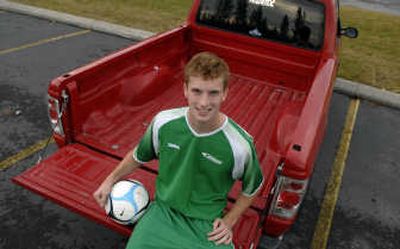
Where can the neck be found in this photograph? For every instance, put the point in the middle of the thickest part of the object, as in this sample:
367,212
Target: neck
206,127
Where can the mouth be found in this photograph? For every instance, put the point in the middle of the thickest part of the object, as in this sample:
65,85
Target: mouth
203,112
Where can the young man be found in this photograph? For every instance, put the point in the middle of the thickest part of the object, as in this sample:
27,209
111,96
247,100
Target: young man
201,153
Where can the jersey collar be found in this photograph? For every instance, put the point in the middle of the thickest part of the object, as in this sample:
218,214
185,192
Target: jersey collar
207,133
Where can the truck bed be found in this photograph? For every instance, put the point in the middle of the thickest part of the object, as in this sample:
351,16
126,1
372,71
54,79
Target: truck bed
255,105
73,173
252,104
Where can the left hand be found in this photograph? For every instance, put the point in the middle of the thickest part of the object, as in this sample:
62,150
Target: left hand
222,232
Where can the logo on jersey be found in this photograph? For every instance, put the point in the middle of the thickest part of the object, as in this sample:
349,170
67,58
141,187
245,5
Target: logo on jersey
173,146
209,157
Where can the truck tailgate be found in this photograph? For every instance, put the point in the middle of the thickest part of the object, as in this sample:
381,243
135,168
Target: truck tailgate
72,174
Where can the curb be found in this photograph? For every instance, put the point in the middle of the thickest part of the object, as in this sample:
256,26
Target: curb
373,94
350,88
82,22
371,6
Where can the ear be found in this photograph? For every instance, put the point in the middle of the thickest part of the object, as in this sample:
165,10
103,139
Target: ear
185,90
225,94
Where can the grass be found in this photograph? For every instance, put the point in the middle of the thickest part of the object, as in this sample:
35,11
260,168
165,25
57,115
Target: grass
373,58
151,15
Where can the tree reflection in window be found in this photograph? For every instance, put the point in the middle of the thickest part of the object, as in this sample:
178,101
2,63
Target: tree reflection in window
295,22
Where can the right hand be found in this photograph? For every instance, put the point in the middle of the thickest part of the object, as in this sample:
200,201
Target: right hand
102,193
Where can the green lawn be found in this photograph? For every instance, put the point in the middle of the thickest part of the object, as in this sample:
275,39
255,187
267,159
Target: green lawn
373,58
151,15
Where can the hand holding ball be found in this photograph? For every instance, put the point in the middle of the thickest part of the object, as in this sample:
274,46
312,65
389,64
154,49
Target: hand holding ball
127,201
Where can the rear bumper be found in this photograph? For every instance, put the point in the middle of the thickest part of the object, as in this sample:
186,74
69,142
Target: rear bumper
275,226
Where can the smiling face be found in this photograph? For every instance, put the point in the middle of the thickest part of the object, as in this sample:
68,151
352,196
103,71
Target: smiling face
206,80
204,100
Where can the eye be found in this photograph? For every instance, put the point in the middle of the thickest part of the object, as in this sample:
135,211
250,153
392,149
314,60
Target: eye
196,91
214,93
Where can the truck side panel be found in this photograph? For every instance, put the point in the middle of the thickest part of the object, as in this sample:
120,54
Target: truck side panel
311,126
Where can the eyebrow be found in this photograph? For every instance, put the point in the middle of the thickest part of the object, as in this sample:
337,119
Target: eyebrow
195,89
199,90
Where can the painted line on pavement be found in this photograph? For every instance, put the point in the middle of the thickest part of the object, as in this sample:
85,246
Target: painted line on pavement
25,153
83,22
324,223
44,41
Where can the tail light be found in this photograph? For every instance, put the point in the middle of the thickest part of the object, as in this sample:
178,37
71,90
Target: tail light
55,111
288,196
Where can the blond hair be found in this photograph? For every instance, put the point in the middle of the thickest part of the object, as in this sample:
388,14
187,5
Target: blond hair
208,66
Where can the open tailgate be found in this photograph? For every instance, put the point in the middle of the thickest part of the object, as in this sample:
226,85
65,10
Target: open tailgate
73,173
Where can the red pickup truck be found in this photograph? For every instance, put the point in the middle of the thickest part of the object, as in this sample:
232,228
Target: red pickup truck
283,55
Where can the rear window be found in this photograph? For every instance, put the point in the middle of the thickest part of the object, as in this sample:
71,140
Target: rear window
295,22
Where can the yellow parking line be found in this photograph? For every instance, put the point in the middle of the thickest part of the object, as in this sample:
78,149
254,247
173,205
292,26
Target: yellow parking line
44,41
324,223
24,154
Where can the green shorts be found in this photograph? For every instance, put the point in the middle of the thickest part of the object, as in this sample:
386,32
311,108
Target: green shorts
164,228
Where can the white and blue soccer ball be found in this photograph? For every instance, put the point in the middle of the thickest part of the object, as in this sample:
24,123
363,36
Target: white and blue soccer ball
127,201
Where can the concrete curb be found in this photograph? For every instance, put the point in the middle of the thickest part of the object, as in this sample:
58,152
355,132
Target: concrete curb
343,86
371,6
366,92
86,23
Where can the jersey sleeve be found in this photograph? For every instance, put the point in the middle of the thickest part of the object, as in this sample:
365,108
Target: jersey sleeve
252,179
144,151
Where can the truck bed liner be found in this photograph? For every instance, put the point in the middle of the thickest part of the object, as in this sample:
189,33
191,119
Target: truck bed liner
117,129
255,105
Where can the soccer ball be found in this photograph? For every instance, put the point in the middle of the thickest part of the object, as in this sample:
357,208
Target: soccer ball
127,201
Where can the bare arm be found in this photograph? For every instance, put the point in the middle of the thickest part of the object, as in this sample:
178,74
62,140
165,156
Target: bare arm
222,228
125,167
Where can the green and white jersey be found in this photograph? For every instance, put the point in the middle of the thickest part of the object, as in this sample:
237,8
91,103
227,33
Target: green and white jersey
197,171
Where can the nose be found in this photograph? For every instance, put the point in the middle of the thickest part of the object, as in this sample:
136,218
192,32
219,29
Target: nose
204,100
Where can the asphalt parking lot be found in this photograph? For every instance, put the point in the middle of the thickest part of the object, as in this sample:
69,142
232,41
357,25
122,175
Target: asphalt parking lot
33,51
